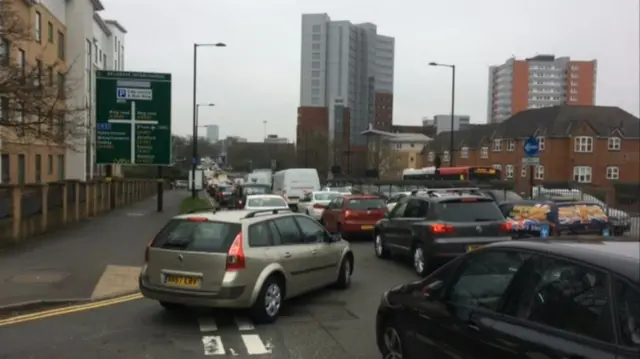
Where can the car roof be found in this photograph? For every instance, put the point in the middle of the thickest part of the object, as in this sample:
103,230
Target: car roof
325,192
265,195
255,185
360,196
620,256
427,197
236,215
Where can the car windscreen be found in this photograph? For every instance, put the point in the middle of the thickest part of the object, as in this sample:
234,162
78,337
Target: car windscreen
255,190
197,236
327,196
266,202
366,204
469,210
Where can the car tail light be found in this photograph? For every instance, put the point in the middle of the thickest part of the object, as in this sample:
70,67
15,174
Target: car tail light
506,227
197,219
468,200
318,206
440,228
347,214
235,256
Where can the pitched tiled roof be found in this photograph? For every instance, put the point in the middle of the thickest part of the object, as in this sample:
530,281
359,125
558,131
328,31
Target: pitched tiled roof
556,121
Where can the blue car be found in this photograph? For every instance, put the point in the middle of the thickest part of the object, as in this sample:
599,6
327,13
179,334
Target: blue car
530,218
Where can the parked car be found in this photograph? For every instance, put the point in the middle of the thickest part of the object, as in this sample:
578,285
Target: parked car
431,230
354,214
520,299
242,259
314,203
247,189
547,218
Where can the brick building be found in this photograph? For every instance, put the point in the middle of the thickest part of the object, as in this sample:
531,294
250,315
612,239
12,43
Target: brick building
592,145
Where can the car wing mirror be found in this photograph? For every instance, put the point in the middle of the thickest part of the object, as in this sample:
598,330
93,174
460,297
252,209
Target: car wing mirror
335,237
432,289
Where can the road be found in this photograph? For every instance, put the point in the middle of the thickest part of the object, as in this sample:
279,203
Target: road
329,324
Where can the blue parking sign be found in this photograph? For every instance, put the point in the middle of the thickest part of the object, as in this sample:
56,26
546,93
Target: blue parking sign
122,93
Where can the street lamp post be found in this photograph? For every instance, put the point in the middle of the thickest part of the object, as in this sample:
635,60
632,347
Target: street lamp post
195,113
453,105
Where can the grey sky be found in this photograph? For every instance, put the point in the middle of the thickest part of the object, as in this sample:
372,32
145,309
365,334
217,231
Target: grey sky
257,76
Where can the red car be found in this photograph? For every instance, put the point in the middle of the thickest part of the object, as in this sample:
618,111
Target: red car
353,214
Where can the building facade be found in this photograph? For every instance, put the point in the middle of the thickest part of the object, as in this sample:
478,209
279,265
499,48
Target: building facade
275,139
213,133
346,83
538,82
442,123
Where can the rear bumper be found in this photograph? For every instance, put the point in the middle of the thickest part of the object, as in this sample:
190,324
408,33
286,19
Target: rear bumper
356,226
453,247
226,297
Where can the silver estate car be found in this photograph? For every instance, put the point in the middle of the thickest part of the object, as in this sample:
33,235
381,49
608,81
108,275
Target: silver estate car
242,259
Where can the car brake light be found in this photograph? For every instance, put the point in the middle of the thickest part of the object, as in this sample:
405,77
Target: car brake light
235,256
468,200
197,219
318,206
440,228
506,227
347,214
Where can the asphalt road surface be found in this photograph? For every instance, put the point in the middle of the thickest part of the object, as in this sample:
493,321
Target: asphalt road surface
329,324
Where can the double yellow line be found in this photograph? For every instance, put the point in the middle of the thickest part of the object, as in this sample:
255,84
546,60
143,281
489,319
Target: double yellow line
68,310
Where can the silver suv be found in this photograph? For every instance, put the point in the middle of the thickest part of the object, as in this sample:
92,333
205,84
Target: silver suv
242,259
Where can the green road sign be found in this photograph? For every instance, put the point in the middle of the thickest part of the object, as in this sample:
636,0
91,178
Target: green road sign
133,118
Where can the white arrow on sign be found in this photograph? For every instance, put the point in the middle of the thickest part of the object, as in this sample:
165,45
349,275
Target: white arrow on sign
529,147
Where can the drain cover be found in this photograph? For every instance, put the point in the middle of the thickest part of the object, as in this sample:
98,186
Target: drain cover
39,277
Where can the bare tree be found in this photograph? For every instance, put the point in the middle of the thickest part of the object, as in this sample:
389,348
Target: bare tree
314,149
34,106
383,157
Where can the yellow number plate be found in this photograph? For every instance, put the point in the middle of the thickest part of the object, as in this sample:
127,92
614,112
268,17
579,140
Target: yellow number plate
190,282
367,228
472,247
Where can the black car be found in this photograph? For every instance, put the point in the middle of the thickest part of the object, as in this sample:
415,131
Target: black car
520,299
435,227
242,191
224,195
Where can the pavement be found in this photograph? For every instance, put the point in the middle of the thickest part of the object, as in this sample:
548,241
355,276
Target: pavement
98,258
328,324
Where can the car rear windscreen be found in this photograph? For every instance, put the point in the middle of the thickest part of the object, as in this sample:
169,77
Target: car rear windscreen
266,202
460,211
326,196
206,236
255,190
366,204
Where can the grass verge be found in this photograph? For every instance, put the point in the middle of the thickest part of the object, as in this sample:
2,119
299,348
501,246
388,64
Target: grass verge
189,204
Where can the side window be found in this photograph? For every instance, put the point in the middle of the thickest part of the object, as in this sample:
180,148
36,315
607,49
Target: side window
628,312
484,278
307,197
399,209
288,229
275,233
259,235
569,297
331,204
416,209
312,232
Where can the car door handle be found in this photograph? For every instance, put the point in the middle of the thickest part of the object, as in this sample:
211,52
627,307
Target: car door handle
287,255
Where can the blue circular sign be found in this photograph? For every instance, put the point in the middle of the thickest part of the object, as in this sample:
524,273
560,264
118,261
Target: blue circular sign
531,146
544,230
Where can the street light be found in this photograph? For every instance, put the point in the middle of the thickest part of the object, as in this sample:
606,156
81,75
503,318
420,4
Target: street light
453,104
195,113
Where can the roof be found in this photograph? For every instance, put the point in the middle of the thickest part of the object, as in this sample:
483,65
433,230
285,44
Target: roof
398,136
360,196
117,25
557,121
101,23
621,257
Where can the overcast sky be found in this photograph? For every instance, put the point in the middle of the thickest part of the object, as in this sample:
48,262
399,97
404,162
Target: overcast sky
257,77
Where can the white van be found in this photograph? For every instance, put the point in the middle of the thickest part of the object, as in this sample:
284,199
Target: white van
261,177
293,183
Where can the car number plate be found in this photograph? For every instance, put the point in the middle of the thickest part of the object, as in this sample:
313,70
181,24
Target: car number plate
473,247
367,228
182,281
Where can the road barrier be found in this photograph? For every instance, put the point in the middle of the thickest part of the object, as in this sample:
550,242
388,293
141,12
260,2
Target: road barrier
28,210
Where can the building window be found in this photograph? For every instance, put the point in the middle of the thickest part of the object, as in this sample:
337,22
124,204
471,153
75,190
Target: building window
38,80
315,82
61,46
541,143
60,167
582,174
464,152
38,27
539,172
509,170
315,100
497,145
614,143
431,156
613,173
38,168
317,28
484,152
315,56
21,167
104,59
87,65
95,50
315,65
6,168
497,166
50,32
5,52
583,144
315,73
523,171
315,47
445,156
61,84
50,164
316,37
511,145
22,61
315,92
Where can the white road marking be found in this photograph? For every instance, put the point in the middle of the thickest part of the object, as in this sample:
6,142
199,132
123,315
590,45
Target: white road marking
207,324
244,324
212,345
254,344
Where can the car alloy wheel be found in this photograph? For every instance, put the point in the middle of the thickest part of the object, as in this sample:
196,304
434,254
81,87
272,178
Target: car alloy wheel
392,344
272,300
378,245
347,271
418,260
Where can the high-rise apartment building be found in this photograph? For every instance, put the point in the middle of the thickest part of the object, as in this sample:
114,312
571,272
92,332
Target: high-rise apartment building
537,82
213,133
346,83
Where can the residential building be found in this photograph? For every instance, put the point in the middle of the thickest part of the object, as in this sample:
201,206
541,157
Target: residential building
591,145
389,153
346,84
426,121
442,123
275,139
94,44
33,157
538,82
213,133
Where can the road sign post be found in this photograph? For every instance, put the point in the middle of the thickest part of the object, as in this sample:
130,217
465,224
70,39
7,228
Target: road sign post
133,119
531,148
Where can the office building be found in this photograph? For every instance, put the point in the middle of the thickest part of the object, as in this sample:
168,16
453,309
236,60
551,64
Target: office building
538,82
346,83
442,123
275,139
213,133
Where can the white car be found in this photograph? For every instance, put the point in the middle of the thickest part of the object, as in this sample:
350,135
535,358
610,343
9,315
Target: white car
265,201
342,190
313,203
